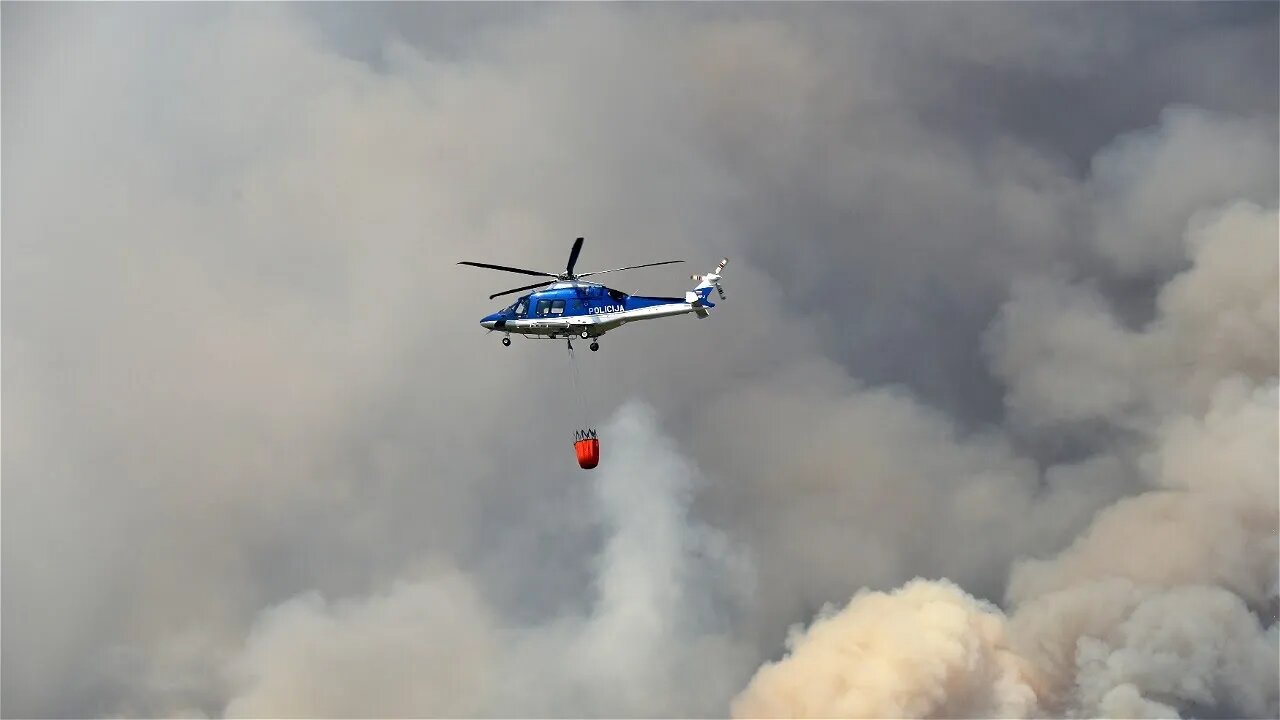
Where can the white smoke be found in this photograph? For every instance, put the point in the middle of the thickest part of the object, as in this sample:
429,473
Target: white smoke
652,641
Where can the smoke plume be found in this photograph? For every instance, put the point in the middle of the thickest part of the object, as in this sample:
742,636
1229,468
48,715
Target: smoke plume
986,426
1160,602
651,641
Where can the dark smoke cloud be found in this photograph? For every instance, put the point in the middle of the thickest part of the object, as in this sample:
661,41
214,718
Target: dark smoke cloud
1002,314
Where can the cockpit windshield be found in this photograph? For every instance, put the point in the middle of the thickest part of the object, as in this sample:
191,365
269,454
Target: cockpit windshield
517,308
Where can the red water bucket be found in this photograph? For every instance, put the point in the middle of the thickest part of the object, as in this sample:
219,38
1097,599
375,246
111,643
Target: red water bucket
588,450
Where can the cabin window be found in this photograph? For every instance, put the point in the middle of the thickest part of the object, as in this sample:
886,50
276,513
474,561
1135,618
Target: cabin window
543,305
520,308
557,307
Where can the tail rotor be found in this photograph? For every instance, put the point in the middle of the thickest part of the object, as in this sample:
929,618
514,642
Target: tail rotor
710,280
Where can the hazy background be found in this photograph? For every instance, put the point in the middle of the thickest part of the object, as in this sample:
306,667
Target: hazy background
1002,315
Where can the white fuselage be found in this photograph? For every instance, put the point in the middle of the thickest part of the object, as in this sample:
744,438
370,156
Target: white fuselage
594,324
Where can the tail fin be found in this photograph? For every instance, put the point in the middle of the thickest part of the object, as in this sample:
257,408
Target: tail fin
699,296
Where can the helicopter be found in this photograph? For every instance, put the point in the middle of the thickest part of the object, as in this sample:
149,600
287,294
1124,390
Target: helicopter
571,306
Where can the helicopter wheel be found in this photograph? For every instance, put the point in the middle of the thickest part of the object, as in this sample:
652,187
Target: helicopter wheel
595,346
584,334
506,342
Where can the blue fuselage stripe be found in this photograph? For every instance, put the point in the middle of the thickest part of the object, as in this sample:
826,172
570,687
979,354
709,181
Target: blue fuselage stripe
585,300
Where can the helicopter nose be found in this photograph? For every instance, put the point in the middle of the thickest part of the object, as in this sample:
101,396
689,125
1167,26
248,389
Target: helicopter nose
492,322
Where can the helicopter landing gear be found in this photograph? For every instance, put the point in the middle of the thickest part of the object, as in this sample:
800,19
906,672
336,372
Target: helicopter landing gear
595,346
584,334
506,342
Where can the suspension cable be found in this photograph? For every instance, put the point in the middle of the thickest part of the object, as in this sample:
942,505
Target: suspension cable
577,390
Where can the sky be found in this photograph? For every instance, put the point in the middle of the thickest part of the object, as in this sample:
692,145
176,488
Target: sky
986,426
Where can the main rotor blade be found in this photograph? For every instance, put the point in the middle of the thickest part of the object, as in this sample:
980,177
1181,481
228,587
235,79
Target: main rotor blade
573,257
630,267
526,287
522,271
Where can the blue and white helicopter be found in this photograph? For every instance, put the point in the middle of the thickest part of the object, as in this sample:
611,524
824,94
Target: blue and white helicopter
570,306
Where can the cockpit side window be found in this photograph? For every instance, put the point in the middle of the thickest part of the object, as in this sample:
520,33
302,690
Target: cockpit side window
520,308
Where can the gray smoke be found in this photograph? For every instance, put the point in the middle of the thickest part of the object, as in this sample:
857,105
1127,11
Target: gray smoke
1002,315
